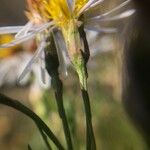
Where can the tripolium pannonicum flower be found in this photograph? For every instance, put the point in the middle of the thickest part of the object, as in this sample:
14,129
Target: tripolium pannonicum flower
65,16
55,22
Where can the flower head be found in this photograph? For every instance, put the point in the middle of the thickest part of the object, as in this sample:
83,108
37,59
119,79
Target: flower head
61,15
60,11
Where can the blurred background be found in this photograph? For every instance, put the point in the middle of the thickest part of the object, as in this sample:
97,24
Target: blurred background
113,129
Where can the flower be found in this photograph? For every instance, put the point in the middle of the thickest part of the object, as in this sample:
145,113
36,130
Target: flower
6,52
16,58
64,15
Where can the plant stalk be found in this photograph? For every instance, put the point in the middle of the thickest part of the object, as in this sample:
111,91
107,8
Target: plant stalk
52,65
45,139
90,138
58,87
91,144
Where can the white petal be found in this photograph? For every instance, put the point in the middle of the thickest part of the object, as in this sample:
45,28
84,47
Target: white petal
125,14
18,41
26,37
34,58
71,4
42,66
10,29
96,3
89,3
37,72
61,54
24,30
44,26
101,29
10,68
112,10
43,75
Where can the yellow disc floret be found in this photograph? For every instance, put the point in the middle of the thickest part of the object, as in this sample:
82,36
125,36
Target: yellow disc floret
56,10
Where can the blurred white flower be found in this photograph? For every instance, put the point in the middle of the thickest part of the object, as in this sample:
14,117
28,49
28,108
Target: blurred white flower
13,60
12,67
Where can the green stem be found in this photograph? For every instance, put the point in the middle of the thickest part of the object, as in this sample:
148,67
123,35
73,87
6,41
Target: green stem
52,65
57,84
38,121
82,73
91,144
45,139
80,67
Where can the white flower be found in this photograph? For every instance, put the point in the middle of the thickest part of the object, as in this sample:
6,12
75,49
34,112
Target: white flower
63,15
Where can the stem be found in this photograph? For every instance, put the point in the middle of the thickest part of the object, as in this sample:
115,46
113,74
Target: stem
52,65
91,144
81,70
45,139
82,73
90,139
38,121
57,84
